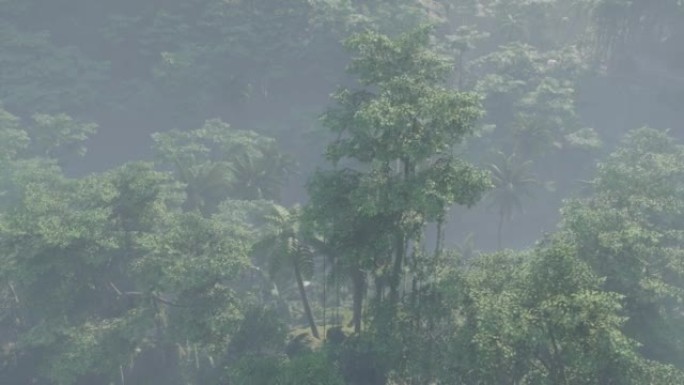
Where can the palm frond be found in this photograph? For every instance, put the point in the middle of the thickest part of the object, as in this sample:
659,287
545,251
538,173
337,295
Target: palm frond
512,179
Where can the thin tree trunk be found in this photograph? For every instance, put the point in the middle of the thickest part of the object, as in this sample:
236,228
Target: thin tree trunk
396,270
337,297
498,231
325,304
438,241
460,71
357,307
415,303
305,300
379,287
399,248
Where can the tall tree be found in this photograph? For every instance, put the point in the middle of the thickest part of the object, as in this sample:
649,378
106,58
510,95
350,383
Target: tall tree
396,168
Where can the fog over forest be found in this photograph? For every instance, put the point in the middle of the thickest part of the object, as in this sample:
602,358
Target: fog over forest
342,192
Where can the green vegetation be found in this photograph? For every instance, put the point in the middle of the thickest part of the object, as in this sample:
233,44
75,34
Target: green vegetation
314,192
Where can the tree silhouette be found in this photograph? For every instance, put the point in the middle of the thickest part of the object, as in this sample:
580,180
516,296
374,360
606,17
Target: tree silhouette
512,180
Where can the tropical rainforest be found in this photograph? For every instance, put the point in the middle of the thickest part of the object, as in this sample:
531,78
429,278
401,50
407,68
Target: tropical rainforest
341,192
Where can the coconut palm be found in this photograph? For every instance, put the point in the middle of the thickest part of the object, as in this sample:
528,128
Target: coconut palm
286,247
512,180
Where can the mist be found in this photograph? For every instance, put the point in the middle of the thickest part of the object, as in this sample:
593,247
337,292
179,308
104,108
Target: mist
341,192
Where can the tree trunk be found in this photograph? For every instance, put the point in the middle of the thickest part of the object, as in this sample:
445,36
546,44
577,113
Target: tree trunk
399,247
305,300
379,282
460,71
440,236
395,276
498,231
325,304
359,288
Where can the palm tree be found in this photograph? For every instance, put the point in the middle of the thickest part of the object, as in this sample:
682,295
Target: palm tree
259,176
512,180
286,246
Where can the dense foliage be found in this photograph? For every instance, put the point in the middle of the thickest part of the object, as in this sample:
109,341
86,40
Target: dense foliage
273,192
